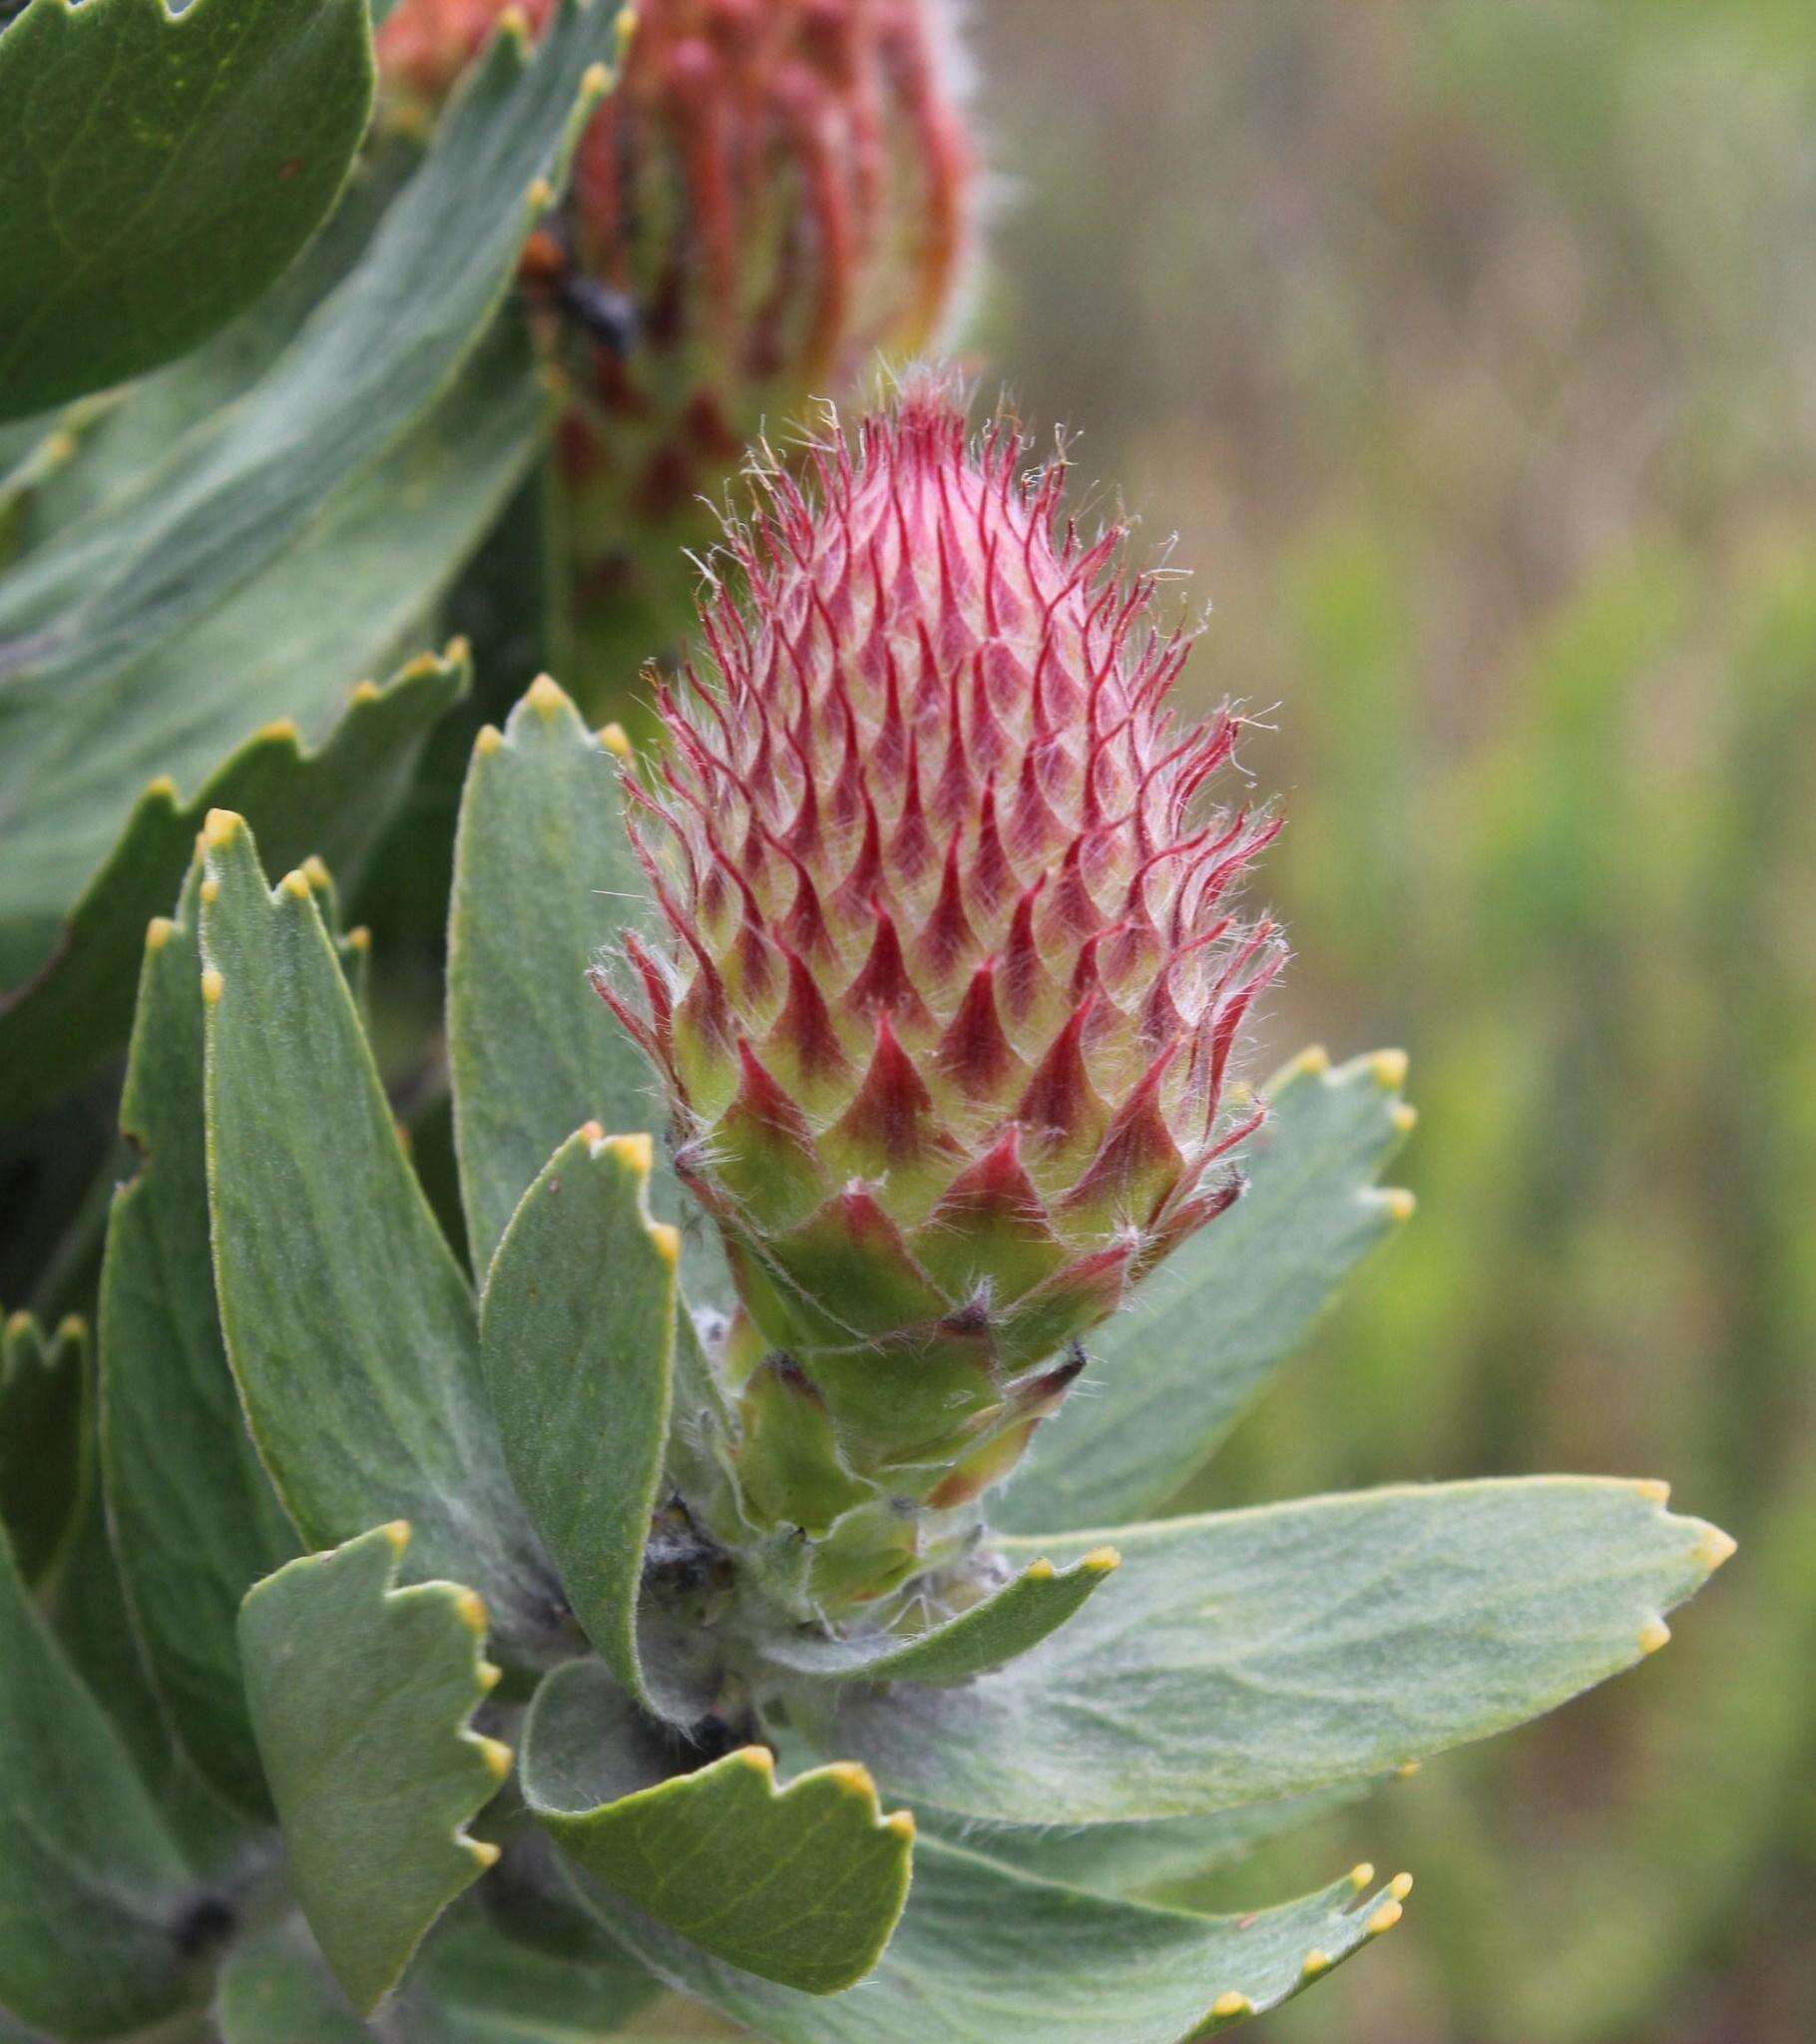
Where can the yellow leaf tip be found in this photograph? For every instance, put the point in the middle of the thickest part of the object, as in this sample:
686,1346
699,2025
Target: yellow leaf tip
1361,1874
1385,1917
1654,1490
759,1758
490,739
399,1534
1228,2006
367,691
158,933
545,697
1400,1887
458,651
854,1775
667,1239
636,1152
295,883
1401,1204
213,985
1715,1547
220,827
1405,1117
472,1609
490,1675
318,876
211,891
497,1756
1313,1060
901,1823
1408,1768
611,737
595,80
282,732
1389,1068
163,790
483,1851
1654,1635
1103,1561
1314,1963
541,193
359,938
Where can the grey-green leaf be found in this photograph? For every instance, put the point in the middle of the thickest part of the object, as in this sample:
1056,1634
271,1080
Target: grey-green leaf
196,1518
350,1325
543,879
1255,1654
44,1434
1170,1374
277,1988
577,1339
360,1695
95,1898
1131,1859
1007,1622
162,170
984,1952
105,688
473,1985
331,798
801,1884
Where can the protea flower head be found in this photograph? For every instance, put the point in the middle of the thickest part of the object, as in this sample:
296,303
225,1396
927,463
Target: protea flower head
952,978
775,192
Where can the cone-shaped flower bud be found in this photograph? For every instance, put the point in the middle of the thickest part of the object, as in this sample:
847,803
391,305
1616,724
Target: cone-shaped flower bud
776,191
953,977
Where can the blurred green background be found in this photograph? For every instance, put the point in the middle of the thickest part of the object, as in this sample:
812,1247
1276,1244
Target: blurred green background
1470,348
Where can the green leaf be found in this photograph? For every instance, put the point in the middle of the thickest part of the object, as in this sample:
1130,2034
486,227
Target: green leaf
162,170
348,1323
103,686
577,1339
1170,1374
196,1517
469,1985
122,436
474,1987
43,1438
331,798
1007,1623
87,1611
1255,1654
543,878
801,1884
95,1898
360,1696
277,1989
984,1952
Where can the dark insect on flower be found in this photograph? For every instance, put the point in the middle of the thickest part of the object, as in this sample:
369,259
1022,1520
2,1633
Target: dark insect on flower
550,282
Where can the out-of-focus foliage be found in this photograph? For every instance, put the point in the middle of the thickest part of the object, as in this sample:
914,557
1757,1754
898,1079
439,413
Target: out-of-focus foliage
1473,348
